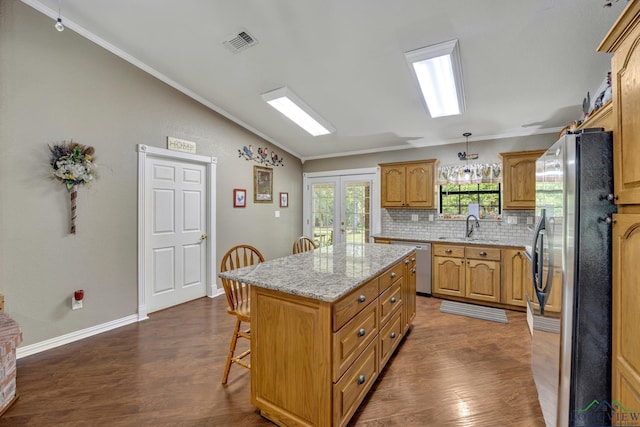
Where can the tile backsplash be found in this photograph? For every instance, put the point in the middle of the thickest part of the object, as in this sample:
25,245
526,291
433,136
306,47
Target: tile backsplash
399,221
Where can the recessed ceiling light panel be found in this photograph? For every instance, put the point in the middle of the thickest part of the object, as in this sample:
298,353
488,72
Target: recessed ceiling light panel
438,72
294,108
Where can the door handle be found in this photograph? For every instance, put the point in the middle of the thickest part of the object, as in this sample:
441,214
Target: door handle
203,237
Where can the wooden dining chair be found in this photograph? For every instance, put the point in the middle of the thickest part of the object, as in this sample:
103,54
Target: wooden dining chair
238,298
304,244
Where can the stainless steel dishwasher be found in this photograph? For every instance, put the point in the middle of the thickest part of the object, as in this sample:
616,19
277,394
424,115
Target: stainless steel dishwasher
423,265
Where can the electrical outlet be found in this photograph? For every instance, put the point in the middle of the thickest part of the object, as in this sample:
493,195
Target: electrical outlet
414,217
75,304
529,220
512,220
431,217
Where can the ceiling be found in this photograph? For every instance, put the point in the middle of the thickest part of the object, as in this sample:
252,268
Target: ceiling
527,64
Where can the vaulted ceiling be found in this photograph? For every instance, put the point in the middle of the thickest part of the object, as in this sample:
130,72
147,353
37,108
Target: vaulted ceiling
527,64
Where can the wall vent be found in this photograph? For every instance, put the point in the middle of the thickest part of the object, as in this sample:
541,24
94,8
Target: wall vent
239,41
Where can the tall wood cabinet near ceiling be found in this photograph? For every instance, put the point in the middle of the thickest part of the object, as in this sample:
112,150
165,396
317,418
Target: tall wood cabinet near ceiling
408,184
623,40
519,179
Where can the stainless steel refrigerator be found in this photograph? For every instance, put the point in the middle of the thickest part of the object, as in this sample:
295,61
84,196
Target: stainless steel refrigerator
569,307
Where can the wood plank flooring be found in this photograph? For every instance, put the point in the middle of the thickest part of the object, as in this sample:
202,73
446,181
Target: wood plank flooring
449,371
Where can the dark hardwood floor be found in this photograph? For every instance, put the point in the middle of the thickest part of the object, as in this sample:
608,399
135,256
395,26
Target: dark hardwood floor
449,371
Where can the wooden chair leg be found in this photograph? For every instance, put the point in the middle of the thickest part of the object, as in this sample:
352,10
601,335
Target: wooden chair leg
232,349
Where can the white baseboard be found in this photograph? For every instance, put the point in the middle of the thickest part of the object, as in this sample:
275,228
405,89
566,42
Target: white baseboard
73,336
41,346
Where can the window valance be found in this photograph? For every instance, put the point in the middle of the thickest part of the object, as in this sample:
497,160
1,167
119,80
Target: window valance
470,174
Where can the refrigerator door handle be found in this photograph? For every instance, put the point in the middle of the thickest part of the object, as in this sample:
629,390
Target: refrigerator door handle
537,263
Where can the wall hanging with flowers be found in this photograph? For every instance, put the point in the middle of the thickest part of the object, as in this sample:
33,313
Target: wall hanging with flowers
73,165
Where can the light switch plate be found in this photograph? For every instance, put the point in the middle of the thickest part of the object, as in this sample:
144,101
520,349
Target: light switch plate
277,214
430,217
529,220
512,220
414,217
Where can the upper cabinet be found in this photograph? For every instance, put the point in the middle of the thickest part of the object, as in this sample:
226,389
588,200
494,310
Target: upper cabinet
623,40
519,179
408,184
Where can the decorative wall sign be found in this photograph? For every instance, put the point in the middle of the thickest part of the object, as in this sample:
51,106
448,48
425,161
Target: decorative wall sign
262,185
181,145
262,156
73,165
284,200
239,198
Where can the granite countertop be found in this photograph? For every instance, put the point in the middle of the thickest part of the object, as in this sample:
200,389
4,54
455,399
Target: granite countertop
426,237
324,274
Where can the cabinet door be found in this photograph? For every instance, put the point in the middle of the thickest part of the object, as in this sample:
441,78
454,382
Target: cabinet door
515,273
419,185
448,276
409,291
626,316
392,186
519,179
483,280
625,83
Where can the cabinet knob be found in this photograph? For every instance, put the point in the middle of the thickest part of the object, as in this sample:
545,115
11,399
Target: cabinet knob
448,251
393,300
361,379
607,220
393,275
362,298
393,335
413,270
361,332
413,260
406,261
483,253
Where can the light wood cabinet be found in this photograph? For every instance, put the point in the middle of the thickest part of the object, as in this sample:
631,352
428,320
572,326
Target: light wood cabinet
448,270
409,292
313,362
623,40
482,271
516,277
519,179
626,315
408,184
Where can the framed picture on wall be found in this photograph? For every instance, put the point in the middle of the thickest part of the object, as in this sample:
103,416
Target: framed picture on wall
284,200
239,197
262,184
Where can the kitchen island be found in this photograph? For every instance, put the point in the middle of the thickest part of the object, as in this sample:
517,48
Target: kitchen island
324,324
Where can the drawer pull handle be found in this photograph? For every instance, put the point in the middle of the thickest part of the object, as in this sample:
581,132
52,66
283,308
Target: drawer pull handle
361,332
362,298
393,335
361,379
393,300
448,251
393,275
483,253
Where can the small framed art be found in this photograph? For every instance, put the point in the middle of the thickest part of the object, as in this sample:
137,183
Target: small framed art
262,185
239,198
284,200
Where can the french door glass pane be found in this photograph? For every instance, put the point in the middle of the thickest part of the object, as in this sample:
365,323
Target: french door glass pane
322,213
357,211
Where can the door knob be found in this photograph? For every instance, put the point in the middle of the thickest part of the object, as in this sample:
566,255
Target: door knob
203,237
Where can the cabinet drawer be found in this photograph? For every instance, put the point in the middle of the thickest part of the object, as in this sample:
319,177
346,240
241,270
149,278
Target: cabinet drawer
352,338
354,384
492,254
390,336
352,303
390,276
448,251
390,301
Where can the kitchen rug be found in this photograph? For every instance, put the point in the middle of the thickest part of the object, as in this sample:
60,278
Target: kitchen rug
472,310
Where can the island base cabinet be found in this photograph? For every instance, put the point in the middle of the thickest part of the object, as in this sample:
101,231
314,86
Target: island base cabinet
291,358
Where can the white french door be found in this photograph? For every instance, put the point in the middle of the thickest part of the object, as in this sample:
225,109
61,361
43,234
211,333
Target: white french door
338,208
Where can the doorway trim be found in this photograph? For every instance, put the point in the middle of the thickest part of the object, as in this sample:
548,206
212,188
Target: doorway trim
210,163
376,223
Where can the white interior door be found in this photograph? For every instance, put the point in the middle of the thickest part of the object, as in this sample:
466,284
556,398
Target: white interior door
176,232
338,208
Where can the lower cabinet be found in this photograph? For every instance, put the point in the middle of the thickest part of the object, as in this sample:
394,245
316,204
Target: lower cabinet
516,277
448,270
482,274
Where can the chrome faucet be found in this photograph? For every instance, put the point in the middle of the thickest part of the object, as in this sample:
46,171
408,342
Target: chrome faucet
470,229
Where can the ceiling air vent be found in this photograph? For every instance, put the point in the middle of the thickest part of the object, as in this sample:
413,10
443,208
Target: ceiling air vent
239,41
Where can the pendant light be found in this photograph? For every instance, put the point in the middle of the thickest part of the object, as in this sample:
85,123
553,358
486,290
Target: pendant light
59,25
465,155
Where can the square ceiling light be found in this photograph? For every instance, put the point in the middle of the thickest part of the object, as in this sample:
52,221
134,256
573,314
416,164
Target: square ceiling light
439,73
292,106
